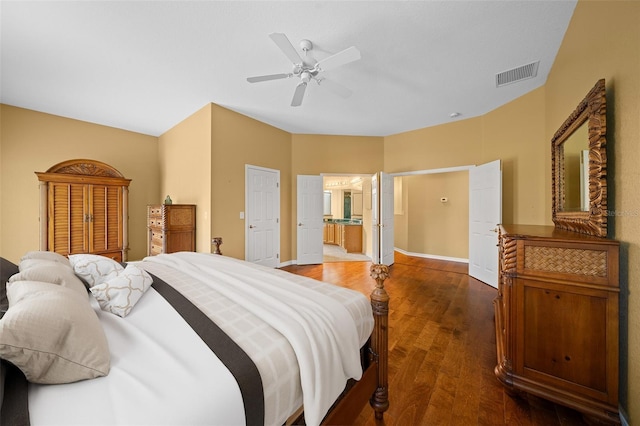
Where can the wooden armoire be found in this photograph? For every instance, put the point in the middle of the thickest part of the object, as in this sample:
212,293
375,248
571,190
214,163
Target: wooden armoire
84,209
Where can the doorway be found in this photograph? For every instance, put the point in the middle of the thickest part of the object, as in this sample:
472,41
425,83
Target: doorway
431,219
345,212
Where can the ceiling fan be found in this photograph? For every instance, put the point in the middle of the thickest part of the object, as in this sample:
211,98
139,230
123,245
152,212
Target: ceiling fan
307,69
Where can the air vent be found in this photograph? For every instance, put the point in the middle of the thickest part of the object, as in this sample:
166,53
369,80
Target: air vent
517,74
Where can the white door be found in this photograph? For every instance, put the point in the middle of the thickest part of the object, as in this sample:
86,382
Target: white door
386,219
310,223
382,242
262,193
375,221
485,213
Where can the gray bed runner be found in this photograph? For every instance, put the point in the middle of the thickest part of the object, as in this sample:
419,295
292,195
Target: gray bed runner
234,358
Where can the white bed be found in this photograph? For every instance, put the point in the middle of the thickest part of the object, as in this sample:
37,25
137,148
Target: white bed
162,372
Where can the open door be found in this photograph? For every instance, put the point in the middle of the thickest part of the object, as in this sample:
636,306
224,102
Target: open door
310,220
386,219
382,219
375,221
485,213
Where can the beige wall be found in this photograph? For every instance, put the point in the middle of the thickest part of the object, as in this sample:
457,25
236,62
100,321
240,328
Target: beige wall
513,133
185,161
317,154
448,145
428,226
603,41
237,141
33,141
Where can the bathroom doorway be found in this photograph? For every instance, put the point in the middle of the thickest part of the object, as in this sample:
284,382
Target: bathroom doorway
347,218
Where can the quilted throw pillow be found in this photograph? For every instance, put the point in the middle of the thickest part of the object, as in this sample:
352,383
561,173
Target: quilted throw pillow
52,334
94,269
45,255
49,271
120,293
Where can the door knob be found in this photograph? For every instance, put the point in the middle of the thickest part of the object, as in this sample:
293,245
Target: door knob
300,224
250,226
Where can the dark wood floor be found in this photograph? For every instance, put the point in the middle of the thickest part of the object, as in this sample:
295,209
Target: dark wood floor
441,347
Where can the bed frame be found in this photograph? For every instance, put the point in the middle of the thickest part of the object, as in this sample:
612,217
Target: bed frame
373,386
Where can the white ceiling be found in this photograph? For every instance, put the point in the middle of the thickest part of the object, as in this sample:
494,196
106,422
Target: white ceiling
146,66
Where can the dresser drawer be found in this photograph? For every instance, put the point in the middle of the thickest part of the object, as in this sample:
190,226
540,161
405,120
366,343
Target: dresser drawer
115,255
157,237
155,249
155,211
593,263
155,222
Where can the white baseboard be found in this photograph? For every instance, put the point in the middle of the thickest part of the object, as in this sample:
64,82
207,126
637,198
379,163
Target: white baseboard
406,253
432,256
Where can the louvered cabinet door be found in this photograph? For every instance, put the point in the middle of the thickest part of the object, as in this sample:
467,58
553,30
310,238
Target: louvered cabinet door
67,218
84,209
104,204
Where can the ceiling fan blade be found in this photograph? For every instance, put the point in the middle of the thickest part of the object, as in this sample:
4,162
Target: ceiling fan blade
298,94
267,77
287,48
335,88
344,57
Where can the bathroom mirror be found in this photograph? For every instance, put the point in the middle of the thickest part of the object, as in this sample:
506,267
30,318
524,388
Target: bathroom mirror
579,167
326,203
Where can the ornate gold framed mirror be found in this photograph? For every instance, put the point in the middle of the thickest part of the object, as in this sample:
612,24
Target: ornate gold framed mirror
579,167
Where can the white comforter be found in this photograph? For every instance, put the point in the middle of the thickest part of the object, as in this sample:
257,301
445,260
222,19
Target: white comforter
153,347
161,374
320,330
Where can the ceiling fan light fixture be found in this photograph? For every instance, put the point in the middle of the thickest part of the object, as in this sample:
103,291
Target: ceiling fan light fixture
306,45
308,69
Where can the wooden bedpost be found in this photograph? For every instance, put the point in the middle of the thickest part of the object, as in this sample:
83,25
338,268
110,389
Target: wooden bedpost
380,340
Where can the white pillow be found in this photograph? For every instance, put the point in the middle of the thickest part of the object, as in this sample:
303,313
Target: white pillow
46,255
49,272
119,294
93,268
52,334
32,262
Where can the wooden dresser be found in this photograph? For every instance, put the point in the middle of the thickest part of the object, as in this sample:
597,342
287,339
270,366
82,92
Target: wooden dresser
172,228
557,318
83,209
